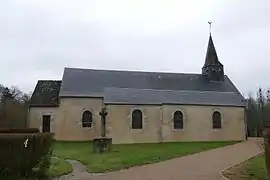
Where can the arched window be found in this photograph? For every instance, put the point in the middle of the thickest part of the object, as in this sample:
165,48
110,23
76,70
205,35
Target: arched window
216,118
87,119
137,119
178,120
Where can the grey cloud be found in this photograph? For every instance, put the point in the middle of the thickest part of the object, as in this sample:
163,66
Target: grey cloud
40,38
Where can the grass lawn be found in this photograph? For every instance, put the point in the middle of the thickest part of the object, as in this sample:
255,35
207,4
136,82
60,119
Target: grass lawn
124,156
59,167
253,169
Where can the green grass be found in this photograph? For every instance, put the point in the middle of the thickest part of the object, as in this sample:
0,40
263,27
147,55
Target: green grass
255,169
59,167
252,169
124,156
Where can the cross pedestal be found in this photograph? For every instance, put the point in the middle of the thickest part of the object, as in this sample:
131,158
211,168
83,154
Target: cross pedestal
102,144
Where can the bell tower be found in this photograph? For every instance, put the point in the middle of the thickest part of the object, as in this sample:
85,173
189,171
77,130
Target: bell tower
212,68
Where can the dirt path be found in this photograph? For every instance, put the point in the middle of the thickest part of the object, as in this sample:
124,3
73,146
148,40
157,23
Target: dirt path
201,166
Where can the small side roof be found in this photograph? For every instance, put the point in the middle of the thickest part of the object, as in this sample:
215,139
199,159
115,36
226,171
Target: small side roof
46,94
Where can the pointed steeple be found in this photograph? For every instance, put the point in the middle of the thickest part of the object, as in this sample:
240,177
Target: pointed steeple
212,68
211,54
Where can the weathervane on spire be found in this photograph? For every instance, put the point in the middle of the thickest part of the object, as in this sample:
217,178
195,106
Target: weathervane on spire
210,22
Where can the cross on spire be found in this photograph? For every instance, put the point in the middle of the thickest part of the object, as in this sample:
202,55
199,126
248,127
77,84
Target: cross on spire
210,22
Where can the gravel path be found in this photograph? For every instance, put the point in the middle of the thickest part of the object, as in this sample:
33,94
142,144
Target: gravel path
206,165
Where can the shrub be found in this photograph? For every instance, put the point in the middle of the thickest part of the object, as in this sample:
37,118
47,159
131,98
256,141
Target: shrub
21,152
26,130
45,147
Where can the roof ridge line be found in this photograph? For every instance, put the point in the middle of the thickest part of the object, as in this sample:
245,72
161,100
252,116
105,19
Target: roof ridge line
48,80
138,71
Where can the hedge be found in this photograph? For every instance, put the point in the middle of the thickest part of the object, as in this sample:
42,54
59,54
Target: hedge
25,130
21,152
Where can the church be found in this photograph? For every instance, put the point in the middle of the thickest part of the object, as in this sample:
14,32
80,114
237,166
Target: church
142,107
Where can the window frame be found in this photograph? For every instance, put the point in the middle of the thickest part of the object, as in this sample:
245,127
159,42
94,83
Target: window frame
87,124
141,119
181,120
219,121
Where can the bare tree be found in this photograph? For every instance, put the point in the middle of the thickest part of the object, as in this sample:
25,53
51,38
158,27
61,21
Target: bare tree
14,107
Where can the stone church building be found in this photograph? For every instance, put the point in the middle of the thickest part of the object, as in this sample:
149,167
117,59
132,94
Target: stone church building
142,106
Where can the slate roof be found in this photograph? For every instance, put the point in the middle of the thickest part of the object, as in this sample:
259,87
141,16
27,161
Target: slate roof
211,57
46,94
150,96
97,83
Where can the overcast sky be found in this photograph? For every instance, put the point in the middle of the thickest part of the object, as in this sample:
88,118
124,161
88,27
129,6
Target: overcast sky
39,38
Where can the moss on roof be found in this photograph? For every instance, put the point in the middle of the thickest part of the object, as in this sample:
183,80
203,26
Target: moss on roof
46,93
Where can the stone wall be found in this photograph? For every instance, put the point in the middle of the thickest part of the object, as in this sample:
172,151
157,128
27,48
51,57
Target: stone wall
35,117
157,122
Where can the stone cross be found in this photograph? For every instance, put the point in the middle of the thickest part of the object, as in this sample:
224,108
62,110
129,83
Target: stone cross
103,115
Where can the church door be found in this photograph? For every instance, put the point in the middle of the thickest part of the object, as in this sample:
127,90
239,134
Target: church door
46,123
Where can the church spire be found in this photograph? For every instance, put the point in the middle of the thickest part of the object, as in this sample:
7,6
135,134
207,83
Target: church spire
212,68
211,54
